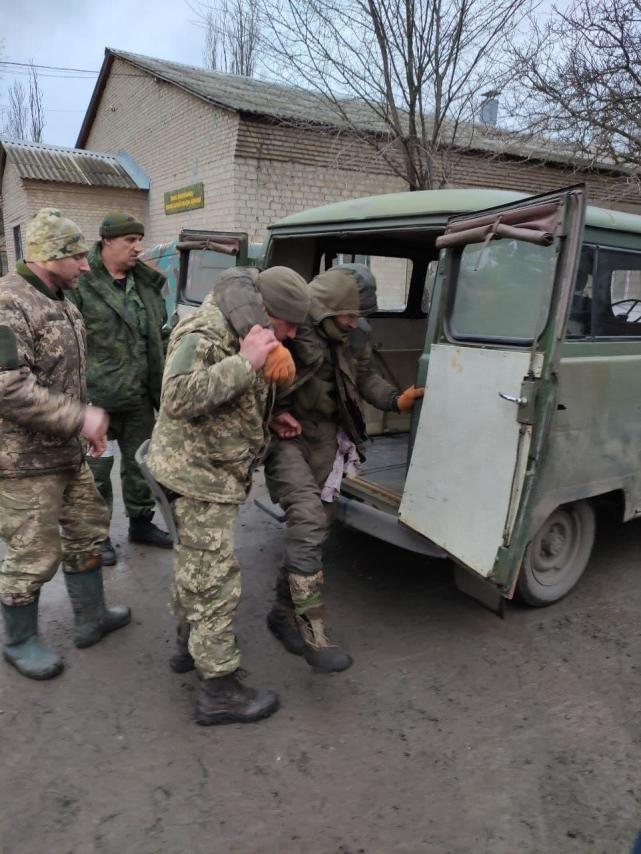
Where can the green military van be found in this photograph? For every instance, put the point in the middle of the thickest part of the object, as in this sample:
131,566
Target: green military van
522,318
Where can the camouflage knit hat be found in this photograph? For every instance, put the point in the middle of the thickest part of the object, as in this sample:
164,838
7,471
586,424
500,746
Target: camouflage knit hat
51,236
285,294
117,223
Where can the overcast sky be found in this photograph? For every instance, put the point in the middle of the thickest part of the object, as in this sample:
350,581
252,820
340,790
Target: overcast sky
74,33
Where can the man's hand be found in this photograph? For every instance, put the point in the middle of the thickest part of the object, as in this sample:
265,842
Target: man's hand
279,367
257,345
405,401
285,426
94,430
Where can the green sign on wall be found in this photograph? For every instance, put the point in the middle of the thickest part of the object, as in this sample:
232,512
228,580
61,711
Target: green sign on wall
185,199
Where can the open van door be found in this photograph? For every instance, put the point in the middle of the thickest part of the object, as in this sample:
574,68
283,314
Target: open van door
503,288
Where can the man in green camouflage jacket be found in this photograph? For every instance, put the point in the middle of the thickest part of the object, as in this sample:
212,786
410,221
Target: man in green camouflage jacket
50,509
210,435
121,301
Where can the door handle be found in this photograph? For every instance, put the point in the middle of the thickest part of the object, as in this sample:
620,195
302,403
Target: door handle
520,401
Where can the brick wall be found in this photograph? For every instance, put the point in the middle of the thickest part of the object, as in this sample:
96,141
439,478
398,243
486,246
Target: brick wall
86,206
177,139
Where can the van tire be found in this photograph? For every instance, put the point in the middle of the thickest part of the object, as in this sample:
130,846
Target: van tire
565,538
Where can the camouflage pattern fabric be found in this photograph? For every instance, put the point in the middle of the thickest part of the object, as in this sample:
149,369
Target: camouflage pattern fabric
211,429
130,429
126,335
51,236
44,520
42,378
206,588
295,471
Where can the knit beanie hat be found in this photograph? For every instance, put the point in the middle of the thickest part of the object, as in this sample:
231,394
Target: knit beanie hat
51,236
117,223
285,294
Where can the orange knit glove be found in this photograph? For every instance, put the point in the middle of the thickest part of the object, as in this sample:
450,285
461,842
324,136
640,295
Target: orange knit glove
405,400
279,367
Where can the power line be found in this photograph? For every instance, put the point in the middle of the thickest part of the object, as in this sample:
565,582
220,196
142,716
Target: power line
47,67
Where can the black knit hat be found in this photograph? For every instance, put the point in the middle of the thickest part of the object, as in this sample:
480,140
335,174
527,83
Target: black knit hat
117,223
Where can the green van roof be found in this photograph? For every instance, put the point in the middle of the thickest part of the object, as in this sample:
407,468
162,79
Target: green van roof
393,206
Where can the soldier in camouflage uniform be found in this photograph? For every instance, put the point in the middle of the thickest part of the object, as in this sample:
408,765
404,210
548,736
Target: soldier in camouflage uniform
50,509
210,435
124,311
319,421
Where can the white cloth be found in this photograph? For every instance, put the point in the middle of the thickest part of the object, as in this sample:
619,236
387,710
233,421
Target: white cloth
346,462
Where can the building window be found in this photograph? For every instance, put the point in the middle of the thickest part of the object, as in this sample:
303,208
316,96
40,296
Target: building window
4,266
17,241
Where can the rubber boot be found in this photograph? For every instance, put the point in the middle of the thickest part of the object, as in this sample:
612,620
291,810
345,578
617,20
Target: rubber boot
23,648
281,620
109,557
181,661
142,530
93,619
323,655
225,700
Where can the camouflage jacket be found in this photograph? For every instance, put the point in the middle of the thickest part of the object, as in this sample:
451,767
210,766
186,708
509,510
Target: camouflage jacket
211,430
42,378
113,336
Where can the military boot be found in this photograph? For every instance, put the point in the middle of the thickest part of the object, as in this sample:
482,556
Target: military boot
182,662
23,648
281,620
323,655
142,530
225,700
93,619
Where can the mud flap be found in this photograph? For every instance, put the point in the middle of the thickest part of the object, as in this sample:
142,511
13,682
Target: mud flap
484,592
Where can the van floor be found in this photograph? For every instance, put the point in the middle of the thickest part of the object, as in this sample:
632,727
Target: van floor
381,478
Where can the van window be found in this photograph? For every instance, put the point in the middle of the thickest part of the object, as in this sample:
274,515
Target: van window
580,317
503,290
618,284
393,277
205,266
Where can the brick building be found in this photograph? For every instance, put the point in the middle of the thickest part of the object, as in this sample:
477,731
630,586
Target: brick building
234,153
83,184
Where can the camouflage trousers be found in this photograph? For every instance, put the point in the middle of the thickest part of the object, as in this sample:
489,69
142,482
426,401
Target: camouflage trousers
129,429
46,519
295,471
206,588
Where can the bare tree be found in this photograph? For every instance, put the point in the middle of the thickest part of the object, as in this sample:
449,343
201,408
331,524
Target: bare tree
580,79
36,111
405,76
17,117
232,35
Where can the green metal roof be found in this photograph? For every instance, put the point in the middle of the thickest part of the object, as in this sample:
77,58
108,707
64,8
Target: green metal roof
428,203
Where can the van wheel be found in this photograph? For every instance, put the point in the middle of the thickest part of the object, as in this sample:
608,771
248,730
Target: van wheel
557,556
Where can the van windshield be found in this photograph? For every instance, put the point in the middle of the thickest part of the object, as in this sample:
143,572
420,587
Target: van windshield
503,291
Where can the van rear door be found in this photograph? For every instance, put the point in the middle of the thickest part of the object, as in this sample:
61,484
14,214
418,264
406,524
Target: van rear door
503,288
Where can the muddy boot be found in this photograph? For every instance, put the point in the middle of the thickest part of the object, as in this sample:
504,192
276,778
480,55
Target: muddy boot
108,553
93,619
225,700
23,648
281,620
323,655
142,530
181,661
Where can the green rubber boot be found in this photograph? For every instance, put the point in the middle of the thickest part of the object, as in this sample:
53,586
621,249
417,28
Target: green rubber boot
23,648
93,619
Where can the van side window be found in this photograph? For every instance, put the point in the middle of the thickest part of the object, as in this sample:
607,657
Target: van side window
580,318
393,277
618,294
205,266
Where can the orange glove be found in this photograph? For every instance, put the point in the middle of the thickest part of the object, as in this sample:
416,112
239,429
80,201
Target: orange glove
405,400
279,367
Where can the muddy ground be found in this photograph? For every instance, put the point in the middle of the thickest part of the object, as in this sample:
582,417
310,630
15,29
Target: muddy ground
454,731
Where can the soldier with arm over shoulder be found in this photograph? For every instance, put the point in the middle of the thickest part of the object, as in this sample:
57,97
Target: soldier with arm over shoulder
50,509
210,435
